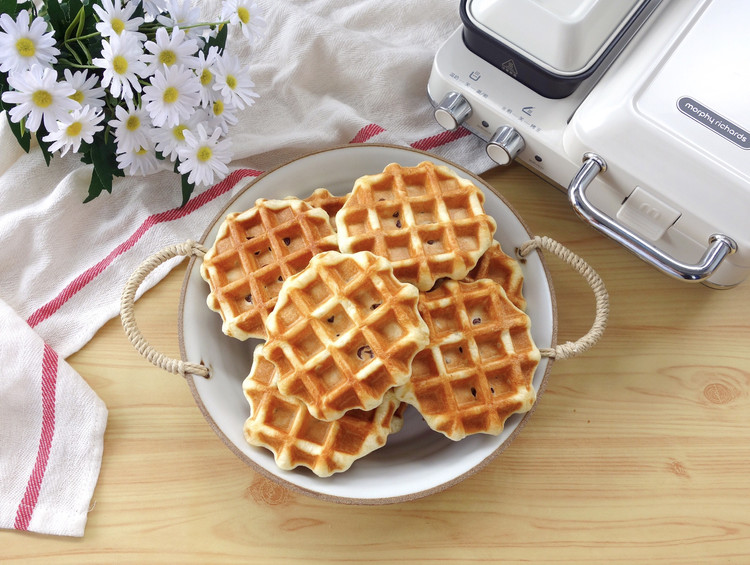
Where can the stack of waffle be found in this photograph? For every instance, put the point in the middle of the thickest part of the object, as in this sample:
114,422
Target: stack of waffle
395,294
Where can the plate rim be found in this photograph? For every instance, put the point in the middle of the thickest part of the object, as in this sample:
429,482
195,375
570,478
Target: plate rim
322,495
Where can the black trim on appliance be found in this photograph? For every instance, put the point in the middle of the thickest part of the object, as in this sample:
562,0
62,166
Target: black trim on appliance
529,73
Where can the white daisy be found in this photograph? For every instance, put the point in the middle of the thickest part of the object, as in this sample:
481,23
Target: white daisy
153,7
122,65
247,15
205,157
169,50
204,69
86,92
132,127
221,115
173,94
181,14
23,45
141,161
38,96
169,140
80,125
233,81
116,19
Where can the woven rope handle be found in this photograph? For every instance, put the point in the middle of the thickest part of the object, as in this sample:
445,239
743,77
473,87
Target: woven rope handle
127,310
571,349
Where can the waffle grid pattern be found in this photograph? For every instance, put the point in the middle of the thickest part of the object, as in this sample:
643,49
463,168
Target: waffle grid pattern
477,369
343,333
426,220
254,252
497,266
288,430
331,204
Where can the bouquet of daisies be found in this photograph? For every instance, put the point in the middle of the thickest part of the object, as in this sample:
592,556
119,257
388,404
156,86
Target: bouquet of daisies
133,86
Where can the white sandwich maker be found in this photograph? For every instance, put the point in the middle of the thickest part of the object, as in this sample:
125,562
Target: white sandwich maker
640,107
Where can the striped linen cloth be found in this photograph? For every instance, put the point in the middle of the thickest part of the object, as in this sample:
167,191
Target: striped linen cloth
328,73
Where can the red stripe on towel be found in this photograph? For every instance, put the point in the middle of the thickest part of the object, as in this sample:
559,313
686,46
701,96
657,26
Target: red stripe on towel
443,138
174,214
366,133
34,485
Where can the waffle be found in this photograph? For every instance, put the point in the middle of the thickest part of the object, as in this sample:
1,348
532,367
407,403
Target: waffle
285,427
477,369
503,269
426,220
321,198
254,252
343,332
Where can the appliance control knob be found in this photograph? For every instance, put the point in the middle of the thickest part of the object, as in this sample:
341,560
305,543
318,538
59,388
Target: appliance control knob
452,111
505,145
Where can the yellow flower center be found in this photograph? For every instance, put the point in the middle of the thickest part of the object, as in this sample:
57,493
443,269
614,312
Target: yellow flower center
77,96
167,57
133,123
118,26
206,77
41,98
218,108
243,14
25,47
141,151
171,94
74,129
120,65
204,154
179,132
231,81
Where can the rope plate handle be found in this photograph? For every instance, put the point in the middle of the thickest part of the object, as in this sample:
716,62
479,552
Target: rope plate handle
571,349
127,310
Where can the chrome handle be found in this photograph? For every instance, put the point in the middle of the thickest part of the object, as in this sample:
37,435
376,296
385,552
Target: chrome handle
719,245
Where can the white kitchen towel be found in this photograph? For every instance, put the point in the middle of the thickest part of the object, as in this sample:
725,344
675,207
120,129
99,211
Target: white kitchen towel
328,73
51,429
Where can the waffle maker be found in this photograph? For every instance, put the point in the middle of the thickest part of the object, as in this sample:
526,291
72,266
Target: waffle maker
641,108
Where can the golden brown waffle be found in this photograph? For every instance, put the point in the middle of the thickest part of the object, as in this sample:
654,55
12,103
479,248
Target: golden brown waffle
426,220
285,426
343,332
254,253
477,369
322,198
496,265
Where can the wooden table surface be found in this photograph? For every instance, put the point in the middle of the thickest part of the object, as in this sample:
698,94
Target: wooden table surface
638,451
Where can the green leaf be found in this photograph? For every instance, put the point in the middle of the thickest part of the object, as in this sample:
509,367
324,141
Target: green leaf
187,189
76,25
56,16
220,40
9,7
22,134
43,145
105,169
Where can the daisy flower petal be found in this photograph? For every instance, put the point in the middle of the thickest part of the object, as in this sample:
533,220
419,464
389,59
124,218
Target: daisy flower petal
121,61
168,50
205,158
247,15
23,45
38,97
87,93
141,161
173,94
78,126
132,127
233,81
117,19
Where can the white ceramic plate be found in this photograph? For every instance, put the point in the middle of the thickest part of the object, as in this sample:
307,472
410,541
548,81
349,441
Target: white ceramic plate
416,461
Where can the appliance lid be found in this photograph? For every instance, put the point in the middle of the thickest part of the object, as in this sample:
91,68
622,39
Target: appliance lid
565,37
674,118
